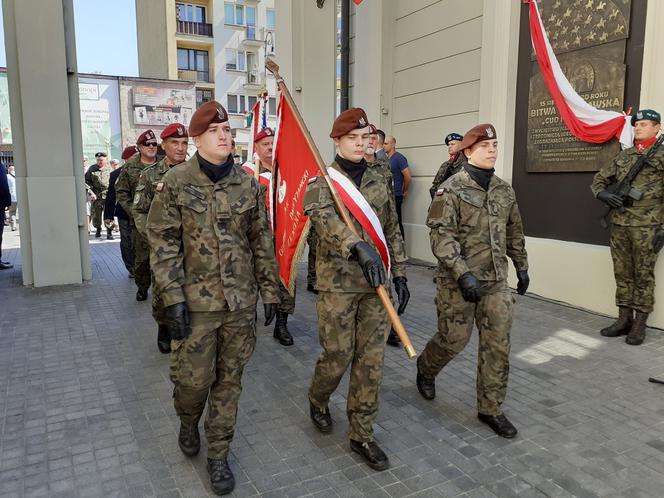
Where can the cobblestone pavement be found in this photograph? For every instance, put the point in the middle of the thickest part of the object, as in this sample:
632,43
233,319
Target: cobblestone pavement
85,406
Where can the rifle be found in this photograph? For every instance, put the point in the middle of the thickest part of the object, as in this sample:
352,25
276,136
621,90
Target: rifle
624,189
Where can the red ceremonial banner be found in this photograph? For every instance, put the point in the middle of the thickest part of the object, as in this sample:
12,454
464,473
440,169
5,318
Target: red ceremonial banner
295,164
357,2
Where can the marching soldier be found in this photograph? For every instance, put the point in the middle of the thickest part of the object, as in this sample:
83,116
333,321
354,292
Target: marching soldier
125,189
212,252
637,234
263,146
97,177
475,225
174,141
353,325
450,167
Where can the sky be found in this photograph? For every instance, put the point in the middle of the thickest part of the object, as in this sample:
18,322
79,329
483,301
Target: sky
105,37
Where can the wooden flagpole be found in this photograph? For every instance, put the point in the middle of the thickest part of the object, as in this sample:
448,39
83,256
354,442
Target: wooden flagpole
341,208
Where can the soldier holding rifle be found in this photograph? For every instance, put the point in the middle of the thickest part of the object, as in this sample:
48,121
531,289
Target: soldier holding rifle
632,185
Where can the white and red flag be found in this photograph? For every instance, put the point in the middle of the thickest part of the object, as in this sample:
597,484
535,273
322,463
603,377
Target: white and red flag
583,120
258,121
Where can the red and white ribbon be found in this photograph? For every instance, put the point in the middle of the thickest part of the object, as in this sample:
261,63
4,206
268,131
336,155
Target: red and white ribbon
583,120
363,212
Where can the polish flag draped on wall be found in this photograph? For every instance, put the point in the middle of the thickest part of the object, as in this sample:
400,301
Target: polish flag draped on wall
295,164
584,121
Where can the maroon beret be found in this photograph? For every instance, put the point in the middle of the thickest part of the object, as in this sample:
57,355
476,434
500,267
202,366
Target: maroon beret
145,136
265,132
205,115
128,152
374,130
176,130
476,134
349,120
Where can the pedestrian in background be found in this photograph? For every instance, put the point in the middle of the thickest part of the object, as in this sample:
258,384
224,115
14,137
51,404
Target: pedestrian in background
5,202
11,214
400,173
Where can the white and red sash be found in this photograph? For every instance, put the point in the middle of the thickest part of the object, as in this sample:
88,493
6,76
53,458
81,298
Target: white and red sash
264,179
362,212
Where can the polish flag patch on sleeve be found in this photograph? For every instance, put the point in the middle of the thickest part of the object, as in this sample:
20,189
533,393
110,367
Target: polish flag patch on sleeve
440,191
312,179
159,187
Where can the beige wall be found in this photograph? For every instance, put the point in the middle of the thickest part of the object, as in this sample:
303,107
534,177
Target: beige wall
155,37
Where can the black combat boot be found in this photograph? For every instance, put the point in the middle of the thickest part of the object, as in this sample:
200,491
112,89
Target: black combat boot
281,332
98,233
425,385
637,333
163,340
621,326
141,294
321,419
221,477
189,440
372,454
109,234
393,338
311,288
499,424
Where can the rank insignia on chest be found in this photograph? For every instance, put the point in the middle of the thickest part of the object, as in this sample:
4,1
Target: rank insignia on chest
440,191
159,187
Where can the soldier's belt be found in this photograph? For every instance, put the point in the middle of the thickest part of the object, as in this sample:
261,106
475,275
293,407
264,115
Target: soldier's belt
646,203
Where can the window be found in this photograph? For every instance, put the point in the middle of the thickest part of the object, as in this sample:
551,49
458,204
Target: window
239,15
234,13
272,106
191,12
251,102
236,104
193,60
203,95
236,60
269,19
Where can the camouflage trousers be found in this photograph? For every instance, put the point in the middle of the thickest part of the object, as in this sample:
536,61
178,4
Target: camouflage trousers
312,241
157,305
634,266
287,302
493,317
97,210
142,275
208,366
353,328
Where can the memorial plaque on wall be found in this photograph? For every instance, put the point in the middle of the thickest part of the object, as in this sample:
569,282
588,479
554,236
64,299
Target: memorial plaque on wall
589,39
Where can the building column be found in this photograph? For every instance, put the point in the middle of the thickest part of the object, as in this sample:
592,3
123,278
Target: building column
305,52
45,115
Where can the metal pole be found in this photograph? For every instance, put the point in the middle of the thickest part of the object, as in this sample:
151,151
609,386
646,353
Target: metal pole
345,54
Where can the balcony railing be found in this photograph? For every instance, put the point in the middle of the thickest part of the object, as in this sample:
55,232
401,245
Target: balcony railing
194,28
192,75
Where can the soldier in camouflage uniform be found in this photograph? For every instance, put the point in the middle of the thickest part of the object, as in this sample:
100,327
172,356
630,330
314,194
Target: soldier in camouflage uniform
353,324
211,253
263,145
97,178
450,167
174,141
125,190
475,225
637,234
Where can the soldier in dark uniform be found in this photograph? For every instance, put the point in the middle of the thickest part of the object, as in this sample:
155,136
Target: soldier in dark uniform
174,141
475,226
211,253
125,189
450,167
353,324
637,233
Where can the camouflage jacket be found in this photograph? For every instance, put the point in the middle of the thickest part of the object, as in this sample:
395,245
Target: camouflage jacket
210,244
99,180
450,167
144,194
125,186
473,230
334,270
383,167
650,182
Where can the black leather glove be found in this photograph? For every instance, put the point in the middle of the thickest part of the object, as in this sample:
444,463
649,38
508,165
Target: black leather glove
177,321
270,312
658,241
610,199
403,294
470,287
524,282
370,262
